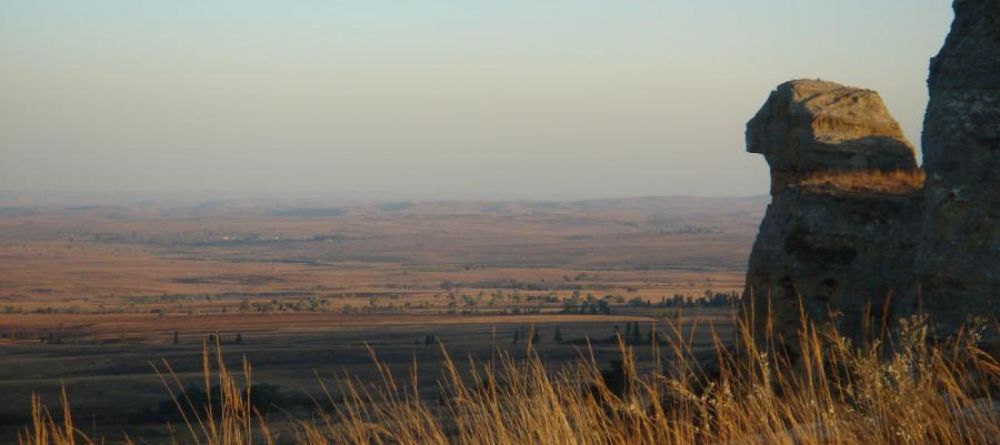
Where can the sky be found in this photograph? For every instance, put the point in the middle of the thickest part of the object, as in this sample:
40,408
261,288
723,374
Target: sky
533,99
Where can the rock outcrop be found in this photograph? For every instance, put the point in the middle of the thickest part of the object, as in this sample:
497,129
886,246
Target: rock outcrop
839,233
811,126
854,234
958,267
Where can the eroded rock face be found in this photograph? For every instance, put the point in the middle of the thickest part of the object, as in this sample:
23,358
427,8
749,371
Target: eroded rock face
843,243
810,126
958,266
839,236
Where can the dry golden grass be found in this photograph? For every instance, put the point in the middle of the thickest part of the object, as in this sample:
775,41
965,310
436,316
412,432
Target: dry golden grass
836,392
895,182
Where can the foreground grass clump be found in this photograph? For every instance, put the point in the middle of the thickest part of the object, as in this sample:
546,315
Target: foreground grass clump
833,391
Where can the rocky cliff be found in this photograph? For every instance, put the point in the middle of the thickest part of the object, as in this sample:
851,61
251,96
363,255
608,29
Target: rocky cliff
958,267
839,233
854,233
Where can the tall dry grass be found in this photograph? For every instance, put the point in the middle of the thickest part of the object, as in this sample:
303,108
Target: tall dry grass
894,390
891,182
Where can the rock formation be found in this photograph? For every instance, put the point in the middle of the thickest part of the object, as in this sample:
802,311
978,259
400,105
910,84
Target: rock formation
839,233
958,267
811,126
853,233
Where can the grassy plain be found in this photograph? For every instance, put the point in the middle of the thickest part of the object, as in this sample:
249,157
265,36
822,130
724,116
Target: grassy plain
90,295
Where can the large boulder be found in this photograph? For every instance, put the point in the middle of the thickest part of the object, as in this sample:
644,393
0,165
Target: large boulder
839,235
812,126
958,266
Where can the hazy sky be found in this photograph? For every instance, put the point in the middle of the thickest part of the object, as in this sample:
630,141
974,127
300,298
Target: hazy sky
472,98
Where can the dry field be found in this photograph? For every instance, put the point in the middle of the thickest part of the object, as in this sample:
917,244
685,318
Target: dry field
110,254
91,294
